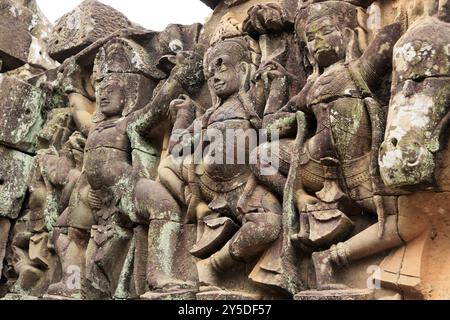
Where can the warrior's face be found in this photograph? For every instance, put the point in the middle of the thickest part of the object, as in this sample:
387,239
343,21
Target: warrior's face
111,98
325,42
224,76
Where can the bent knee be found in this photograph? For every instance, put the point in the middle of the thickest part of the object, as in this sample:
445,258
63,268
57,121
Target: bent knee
265,227
154,201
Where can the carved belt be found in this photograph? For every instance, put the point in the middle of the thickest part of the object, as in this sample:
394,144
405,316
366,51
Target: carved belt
355,171
211,188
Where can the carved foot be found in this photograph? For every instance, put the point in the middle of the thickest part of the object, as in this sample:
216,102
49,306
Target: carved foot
28,278
325,273
167,288
207,276
302,200
172,290
61,289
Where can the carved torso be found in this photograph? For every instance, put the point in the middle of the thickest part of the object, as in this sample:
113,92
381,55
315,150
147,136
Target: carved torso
343,127
108,152
230,116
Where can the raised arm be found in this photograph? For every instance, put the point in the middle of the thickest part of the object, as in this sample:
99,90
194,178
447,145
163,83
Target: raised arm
186,76
376,61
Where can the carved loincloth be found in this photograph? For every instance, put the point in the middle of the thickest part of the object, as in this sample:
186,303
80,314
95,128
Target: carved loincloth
356,180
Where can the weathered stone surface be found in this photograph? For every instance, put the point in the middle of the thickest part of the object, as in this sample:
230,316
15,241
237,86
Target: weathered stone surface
15,174
350,203
24,25
176,295
13,56
5,225
21,119
227,295
28,14
87,23
336,295
19,297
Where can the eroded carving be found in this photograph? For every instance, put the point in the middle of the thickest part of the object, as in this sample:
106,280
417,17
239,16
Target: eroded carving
283,152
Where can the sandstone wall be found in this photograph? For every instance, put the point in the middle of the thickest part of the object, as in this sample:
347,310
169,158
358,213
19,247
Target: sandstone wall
94,205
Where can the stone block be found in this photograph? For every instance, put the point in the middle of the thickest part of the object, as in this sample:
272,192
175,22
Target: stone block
84,25
13,56
15,173
20,114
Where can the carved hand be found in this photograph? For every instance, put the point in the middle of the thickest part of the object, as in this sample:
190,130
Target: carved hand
264,19
272,70
188,70
184,102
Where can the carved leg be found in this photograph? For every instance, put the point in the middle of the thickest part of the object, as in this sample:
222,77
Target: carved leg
258,231
261,158
399,229
106,258
70,239
173,176
164,238
210,269
71,250
29,276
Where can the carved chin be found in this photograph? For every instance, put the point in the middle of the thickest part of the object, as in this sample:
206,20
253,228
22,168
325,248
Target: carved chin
223,93
326,58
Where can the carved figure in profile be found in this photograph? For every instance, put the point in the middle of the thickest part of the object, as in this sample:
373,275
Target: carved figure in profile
56,173
118,157
331,32
336,176
414,152
238,219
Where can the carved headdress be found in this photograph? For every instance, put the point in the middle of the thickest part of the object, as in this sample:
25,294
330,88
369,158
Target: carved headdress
128,64
230,39
348,16
124,56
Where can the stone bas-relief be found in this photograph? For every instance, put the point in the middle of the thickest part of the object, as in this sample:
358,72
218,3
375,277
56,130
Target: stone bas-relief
119,178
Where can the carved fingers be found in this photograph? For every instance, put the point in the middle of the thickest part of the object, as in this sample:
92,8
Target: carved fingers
188,70
263,19
272,70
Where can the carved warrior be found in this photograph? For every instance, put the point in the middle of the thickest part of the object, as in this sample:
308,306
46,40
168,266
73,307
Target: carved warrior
33,258
133,187
325,28
222,197
335,177
117,162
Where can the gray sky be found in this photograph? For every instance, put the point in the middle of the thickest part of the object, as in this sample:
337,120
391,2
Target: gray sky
151,14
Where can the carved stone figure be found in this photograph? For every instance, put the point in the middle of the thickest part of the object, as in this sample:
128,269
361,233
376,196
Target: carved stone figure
281,151
223,197
33,258
335,177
